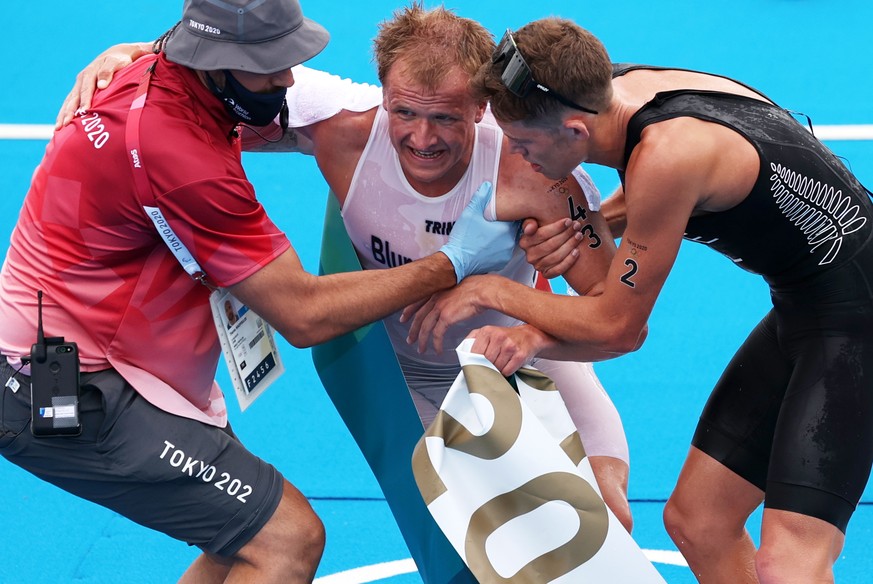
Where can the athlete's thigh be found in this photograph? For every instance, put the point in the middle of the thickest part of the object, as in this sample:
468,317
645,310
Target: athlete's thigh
823,443
737,423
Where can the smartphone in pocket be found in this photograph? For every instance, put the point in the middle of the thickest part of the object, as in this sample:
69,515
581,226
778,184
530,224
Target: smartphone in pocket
54,389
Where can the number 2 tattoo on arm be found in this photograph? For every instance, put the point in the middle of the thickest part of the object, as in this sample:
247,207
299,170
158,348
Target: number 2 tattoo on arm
577,212
633,266
626,278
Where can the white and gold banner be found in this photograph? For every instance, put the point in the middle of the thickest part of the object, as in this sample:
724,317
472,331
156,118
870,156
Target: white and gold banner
505,476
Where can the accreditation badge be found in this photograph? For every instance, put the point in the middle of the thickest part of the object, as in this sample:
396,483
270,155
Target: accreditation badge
249,346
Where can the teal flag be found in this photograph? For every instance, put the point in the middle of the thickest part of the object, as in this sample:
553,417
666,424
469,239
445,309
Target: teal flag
363,379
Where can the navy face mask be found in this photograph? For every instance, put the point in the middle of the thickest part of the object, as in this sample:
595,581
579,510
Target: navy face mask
243,105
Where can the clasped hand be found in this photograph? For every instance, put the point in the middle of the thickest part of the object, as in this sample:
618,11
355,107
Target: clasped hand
551,248
508,348
433,318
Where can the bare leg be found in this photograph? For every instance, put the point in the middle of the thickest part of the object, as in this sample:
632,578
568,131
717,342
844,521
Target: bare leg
612,476
797,548
207,568
706,518
600,429
287,549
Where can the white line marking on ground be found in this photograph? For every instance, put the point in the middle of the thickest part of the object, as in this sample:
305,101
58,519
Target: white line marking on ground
671,557
835,132
846,132
370,573
377,572
26,131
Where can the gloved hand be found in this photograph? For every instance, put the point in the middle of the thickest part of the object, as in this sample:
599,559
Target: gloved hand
477,245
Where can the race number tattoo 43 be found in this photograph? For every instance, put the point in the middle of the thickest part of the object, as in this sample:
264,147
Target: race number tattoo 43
578,213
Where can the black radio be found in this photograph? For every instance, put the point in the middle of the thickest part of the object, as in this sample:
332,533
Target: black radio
54,384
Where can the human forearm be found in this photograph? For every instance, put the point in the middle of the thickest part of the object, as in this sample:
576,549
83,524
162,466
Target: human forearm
308,309
582,327
322,307
614,210
345,302
510,348
585,329
584,352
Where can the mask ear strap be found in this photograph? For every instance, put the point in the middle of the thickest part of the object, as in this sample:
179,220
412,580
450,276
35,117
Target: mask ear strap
283,123
219,93
283,116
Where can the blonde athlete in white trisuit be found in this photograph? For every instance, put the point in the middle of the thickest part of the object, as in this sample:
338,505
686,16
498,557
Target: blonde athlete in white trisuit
399,198
391,223
392,220
403,161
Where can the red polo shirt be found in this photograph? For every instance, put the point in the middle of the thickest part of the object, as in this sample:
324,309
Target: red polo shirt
110,283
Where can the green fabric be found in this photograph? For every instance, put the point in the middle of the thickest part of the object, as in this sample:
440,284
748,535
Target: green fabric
363,379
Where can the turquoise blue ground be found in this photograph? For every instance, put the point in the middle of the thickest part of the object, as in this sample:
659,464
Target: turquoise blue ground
809,55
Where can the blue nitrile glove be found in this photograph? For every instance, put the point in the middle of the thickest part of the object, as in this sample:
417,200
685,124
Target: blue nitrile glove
477,245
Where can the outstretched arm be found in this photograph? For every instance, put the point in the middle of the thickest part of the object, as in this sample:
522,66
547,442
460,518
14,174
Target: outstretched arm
309,309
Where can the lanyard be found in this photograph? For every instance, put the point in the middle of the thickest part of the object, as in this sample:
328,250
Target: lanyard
143,185
247,341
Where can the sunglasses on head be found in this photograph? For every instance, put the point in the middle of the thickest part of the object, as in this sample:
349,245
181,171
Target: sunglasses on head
517,76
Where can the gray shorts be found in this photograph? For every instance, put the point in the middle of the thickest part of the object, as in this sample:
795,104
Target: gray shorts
192,481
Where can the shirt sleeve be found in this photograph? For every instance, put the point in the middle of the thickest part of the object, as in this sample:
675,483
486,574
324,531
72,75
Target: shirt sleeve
225,228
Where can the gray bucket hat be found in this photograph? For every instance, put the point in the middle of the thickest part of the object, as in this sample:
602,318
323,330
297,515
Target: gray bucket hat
259,36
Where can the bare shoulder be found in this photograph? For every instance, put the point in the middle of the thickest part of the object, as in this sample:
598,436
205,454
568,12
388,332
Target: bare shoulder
338,143
689,157
523,192
347,130
645,83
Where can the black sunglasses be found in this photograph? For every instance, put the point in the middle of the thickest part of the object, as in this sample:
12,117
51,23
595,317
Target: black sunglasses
517,76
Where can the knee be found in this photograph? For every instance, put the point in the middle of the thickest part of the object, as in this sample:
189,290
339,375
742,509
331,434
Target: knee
784,565
768,564
306,533
775,564
316,535
686,525
674,521
292,541
298,546
796,548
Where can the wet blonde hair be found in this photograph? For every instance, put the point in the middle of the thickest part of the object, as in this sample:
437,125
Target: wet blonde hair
431,43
